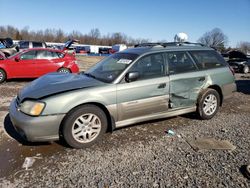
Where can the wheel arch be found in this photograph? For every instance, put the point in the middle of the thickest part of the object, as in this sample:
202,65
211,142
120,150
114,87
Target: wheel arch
64,68
110,120
218,89
1,68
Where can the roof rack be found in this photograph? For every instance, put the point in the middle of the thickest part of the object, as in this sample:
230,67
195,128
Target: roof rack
148,44
166,44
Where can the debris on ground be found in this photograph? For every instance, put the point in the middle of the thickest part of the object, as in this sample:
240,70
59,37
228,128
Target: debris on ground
29,161
170,132
210,144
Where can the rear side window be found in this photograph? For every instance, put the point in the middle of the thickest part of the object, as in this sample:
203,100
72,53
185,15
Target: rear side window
43,54
207,59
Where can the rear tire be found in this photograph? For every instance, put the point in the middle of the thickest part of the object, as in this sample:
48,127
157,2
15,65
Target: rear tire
64,70
208,104
84,126
2,76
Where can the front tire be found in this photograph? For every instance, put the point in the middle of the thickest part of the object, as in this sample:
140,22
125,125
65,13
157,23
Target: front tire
84,126
2,76
208,104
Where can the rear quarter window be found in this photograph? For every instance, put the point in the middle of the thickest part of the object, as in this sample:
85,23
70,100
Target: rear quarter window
207,59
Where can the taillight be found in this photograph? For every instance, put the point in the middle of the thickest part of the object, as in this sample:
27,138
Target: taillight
232,70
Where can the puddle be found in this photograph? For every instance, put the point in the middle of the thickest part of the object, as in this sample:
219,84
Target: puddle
13,154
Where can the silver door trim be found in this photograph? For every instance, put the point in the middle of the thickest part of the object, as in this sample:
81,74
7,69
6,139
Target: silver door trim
155,116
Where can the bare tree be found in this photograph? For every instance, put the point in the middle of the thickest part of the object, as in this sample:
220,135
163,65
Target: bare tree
244,47
58,35
214,38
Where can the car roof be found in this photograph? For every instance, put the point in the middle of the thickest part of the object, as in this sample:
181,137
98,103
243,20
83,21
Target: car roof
47,49
159,47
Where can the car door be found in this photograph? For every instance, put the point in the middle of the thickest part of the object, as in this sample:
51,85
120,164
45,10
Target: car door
47,61
185,79
147,95
23,67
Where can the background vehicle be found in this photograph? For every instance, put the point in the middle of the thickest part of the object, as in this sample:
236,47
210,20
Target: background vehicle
118,48
8,48
35,62
103,50
151,81
81,50
239,61
31,44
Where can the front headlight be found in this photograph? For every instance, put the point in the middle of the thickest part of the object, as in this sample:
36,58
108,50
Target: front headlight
33,108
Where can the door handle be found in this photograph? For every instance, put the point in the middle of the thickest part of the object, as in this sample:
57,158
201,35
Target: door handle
162,85
201,79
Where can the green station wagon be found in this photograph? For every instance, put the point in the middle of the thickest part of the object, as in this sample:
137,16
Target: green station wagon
149,81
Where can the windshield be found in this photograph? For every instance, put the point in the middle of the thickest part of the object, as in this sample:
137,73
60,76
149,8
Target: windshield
111,67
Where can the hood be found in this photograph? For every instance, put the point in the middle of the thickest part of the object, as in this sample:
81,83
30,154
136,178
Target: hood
237,55
68,43
53,83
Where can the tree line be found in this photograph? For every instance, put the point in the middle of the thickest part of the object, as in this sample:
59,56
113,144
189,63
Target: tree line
214,38
94,36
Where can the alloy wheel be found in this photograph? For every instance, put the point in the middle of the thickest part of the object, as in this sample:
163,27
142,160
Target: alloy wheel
86,128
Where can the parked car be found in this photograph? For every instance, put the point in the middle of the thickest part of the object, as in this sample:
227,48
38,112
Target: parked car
35,62
103,50
8,48
239,61
152,81
81,50
68,48
31,44
117,48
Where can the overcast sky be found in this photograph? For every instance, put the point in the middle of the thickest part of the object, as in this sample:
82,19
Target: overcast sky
150,19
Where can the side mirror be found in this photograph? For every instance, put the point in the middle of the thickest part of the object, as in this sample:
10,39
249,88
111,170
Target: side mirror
17,59
131,76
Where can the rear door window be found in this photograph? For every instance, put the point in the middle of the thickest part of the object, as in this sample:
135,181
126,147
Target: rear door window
37,45
207,59
179,62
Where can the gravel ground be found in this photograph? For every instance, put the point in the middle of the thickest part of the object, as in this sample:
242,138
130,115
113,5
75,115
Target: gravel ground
145,156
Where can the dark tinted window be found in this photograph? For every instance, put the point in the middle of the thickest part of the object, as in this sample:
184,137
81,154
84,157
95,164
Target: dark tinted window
43,54
24,44
150,66
179,62
28,55
37,44
207,59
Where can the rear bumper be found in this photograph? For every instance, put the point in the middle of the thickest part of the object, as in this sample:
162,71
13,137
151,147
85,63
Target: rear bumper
228,90
41,128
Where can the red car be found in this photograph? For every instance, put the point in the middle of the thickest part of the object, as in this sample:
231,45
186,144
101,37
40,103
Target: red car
35,62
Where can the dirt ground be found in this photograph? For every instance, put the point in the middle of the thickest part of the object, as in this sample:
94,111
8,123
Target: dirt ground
13,151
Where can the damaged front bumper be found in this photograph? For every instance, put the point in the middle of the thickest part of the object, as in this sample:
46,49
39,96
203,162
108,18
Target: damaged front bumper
41,128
